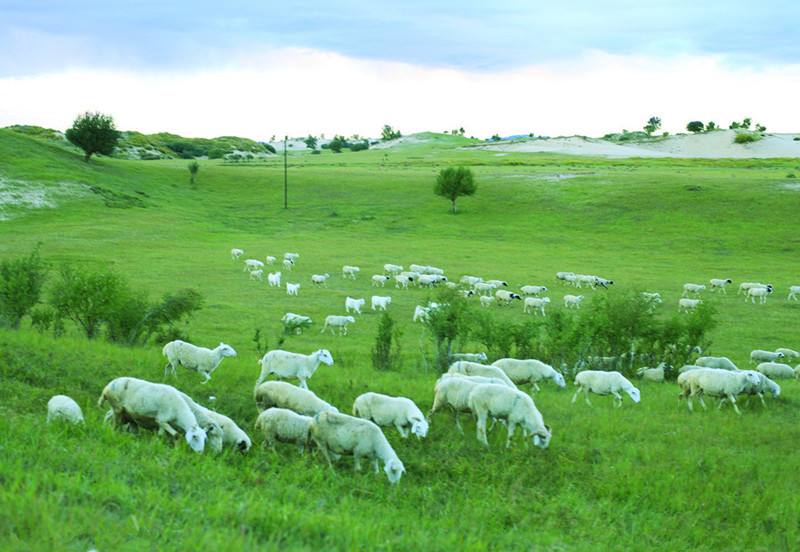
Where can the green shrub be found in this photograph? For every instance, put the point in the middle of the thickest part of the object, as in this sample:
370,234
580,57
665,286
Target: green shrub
387,351
21,282
450,325
695,126
315,152
744,138
359,146
93,133
85,298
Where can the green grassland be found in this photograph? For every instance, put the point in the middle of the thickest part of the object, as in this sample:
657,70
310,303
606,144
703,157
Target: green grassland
641,477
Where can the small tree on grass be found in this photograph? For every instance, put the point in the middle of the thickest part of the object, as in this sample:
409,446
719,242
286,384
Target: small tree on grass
388,133
450,324
194,168
711,125
311,142
386,353
85,297
93,133
21,282
454,182
695,126
653,124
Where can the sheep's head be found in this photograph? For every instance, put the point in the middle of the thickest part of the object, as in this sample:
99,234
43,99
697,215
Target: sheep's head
213,437
226,350
483,357
350,318
728,281
394,470
634,394
516,296
779,355
196,437
325,357
542,439
419,427
559,380
243,445
545,300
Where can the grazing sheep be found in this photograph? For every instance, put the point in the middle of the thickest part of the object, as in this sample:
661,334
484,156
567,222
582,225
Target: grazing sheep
529,371
573,301
470,280
236,253
765,385
467,293
535,304
429,280
252,264
63,408
587,279
487,300
343,434
285,364
686,305
292,289
378,302
602,282
274,279
484,288
353,304
423,269
510,405
402,281
720,284
744,286
471,357
285,395
723,363
334,321
715,383
153,404
760,292
759,355
505,297
320,279
474,369
497,283
285,426
452,390
232,435
399,412
379,280
288,264
692,288
453,285
349,271
210,425
776,370
257,275
295,322
201,360
604,383
291,257
794,291
533,290
270,259
652,374
566,277
392,268
788,353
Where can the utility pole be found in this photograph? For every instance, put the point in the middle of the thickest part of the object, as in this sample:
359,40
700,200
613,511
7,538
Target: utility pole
285,175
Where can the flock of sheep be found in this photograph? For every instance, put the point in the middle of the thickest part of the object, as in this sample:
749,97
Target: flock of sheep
489,392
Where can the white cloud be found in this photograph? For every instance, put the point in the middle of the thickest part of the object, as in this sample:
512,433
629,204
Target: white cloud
297,92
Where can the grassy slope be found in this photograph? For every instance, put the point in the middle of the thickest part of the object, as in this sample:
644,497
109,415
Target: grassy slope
644,476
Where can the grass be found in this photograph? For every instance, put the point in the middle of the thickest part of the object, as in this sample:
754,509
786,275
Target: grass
650,476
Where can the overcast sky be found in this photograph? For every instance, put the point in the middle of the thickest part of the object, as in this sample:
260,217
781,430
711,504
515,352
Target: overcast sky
257,68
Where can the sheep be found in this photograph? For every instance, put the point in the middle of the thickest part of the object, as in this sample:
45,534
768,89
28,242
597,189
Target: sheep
467,293
285,395
333,321
292,289
320,279
291,257
203,361
379,280
744,286
686,305
760,292
474,369
64,408
512,406
720,284
402,281
759,355
497,283
274,279
429,280
529,371
573,301
604,383
535,303
487,300
286,426
652,374
587,279
776,370
399,412
471,357
765,385
716,383
423,269
285,364
794,291
232,434
353,304
689,367
420,314
452,390
288,264
392,268
533,290
236,253
252,264
295,322
470,280
653,298
453,285
154,404
692,288
566,277
788,353
257,275
343,434
505,297
723,363
602,282
210,425
378,302
270,259
349,271
484,288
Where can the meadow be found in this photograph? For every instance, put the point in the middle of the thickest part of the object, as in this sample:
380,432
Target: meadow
640,477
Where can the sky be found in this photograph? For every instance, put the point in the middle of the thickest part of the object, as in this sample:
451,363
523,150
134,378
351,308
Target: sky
260,68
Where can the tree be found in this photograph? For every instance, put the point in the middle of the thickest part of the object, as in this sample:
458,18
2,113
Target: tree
85,297
653,124
461,131
337,144
454,182
760,128
311,142
21,282
93,133
194,168
711,125
388,133
746,122
695,126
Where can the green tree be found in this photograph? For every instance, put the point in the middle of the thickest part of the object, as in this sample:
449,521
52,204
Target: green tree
746,122
21,282
85,297
454,182
93,133
653,124
194,168
337,144
760,128
311,142
695,126
388,133
711,125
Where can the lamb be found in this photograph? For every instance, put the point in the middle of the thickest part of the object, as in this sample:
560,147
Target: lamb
288,264
153,404
274,279
716,383
760,292
470,280
380,302
285,395
392,268
720,284
744,286
352,304
252,264
285,364
452,390
333,321
535,303
474,369
566,277
379,280
686,305
759,355
320,279
484,288
573,301
723,363
471,357
399,412
788,353
776,370
794,291
295,322
692,288
402,281
292,289
210,425
652,374
604,383
497,283
343,434
512,406
487,300
529,371
270,259
505,297
203,361
533,290
349,271
64,408
257,275
236,253
286,426
291,257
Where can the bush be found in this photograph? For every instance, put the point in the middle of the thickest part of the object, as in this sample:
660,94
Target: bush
386,353
315,152
85,298
359,146
450,325
711,125
388,133
21,282
695,126
744,138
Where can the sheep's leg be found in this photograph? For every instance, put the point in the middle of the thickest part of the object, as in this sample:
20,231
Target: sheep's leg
511,427
761,396
164,427
375,467
586,396
402,430
357,462
325,453
689,404
575,396
702,402
535,387
733,402
617,400
303,384
481,430
458,423
208,377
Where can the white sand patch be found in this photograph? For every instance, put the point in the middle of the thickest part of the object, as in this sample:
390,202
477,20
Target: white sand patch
21,195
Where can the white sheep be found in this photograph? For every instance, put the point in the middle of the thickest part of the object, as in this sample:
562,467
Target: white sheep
567,278
339,433
776,370
274,279
760,292
257,275
288,264
270,259
794,291
602,282
530,371
510,405
320,279
295,322
236,253
686,305
497,283
392,268
378,302
716,383
210,425
421,314
353,304
720,284
252,264
285,426
379,280
470,280
573,301
285,364
535,304
429,280
201,360
723,363
604,383
64,408
334,321
399,412
765,385
505,297
744,286
484,288
788,353
453,285
471,357
153,404
474,369
285,395
291,256
292,289
533,290
692,288
654,298
467,293
588,279
402,281
349,271
452,390
232,435
487,300
759,355
652,374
